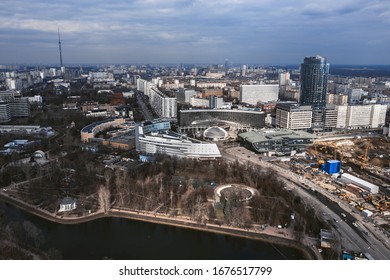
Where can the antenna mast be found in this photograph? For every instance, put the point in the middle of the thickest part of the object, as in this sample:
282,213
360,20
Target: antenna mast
59,45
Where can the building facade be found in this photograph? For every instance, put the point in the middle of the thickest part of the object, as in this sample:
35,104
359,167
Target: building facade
88,132
164,106
157,138
276,141
199,102
378,115
184,95
359,117
14,108
5,112
314,79
297,117
336,99
294,117
252,94
204,118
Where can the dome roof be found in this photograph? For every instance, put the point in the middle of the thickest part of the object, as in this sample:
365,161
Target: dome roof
215,133
39,154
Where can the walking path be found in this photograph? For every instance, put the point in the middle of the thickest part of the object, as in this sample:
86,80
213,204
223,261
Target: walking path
270,235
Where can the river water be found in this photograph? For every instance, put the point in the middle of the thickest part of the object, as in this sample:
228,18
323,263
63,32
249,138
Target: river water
118,238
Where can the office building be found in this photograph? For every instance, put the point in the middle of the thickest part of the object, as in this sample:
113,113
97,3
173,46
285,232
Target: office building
358,116
284,79
9,95
157,138
341,116
20,107
12,107
314,78
218,103
5,112
355,95
184,95
212,92
330,118
210,84
361,116
195,120
252,94
293,116
336,99
243,70
199,102
378,115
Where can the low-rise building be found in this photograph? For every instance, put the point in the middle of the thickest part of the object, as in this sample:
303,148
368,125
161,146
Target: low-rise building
350,179
88,132
67,204
276,141
157,138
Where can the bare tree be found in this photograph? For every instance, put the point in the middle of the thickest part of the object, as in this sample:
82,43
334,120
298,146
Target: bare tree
199,208
104,198
108,174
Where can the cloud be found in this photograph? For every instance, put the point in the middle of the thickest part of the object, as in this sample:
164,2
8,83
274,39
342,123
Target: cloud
208,30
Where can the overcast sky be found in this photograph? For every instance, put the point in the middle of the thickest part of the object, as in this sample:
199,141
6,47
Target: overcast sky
198,31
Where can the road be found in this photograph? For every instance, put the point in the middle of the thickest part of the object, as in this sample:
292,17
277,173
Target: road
145,111
361,238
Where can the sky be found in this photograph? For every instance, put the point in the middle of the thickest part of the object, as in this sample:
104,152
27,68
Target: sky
265,32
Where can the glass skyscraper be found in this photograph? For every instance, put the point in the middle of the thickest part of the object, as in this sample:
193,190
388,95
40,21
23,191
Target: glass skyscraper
314,78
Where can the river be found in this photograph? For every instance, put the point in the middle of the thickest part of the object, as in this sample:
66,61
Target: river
119,238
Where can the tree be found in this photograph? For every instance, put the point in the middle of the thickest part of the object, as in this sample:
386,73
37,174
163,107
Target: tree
104,198
234,209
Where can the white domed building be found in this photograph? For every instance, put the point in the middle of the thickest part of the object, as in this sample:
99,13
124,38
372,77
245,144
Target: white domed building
215,133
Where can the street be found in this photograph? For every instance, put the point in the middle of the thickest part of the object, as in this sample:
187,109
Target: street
360,238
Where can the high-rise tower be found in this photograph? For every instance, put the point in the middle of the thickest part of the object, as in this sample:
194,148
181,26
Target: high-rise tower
59,45
314,79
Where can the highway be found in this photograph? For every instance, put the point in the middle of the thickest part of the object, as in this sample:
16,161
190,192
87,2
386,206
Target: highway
355,234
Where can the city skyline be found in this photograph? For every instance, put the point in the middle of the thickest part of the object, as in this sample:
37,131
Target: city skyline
180,31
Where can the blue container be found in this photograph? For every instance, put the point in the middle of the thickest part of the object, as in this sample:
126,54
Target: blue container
332,166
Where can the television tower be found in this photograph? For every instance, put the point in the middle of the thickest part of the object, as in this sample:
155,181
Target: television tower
59,45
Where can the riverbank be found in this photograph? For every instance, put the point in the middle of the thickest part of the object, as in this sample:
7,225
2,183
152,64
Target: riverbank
269,235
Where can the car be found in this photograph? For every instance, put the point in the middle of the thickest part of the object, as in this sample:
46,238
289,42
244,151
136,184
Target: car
343,214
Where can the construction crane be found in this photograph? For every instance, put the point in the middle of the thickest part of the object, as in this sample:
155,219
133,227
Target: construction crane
378,202
319,157
335,150
359,205
338,151
345,197
367,197
364,156
385,206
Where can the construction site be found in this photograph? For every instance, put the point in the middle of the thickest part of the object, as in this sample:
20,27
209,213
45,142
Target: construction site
356,170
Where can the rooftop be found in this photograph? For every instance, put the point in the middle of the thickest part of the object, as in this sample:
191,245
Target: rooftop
274,134
171,136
